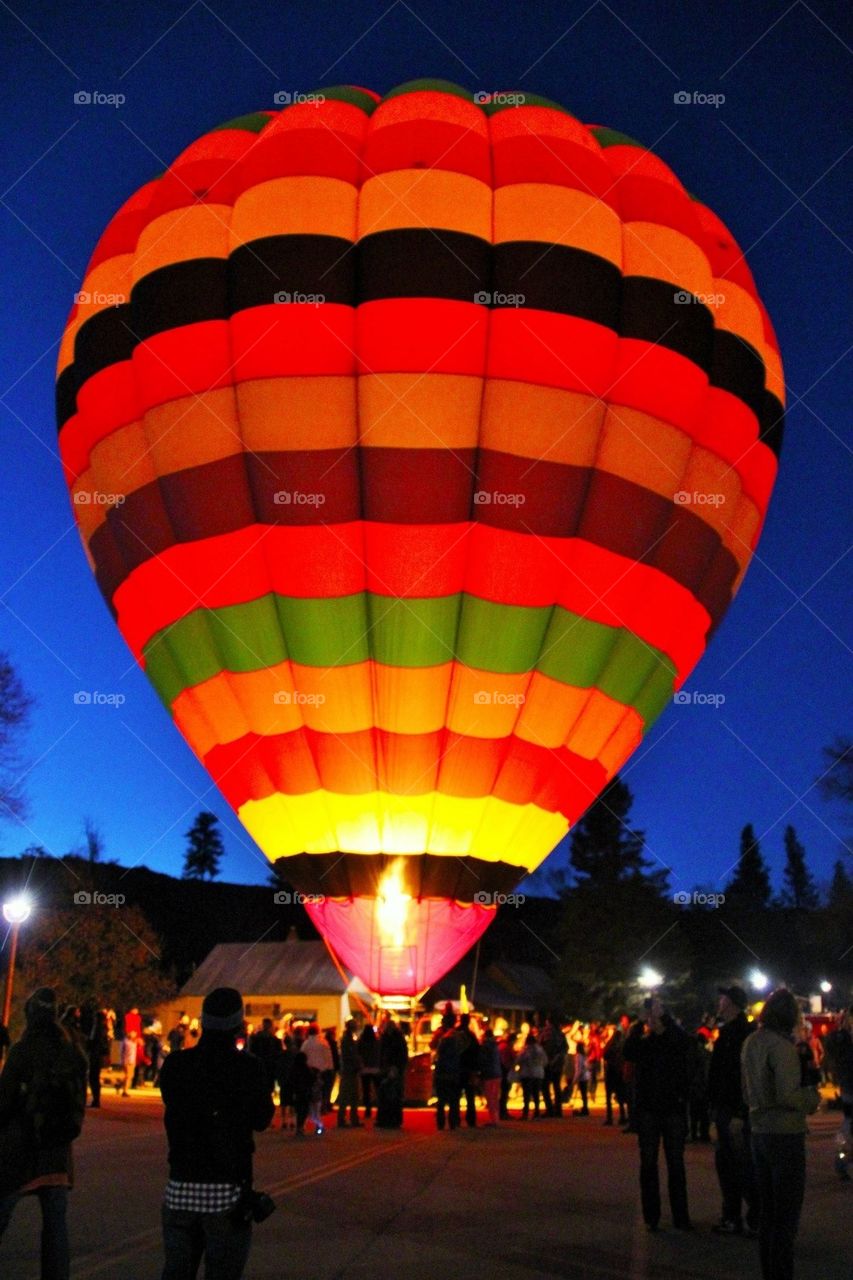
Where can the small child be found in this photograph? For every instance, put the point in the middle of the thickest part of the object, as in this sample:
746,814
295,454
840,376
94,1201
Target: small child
129,1048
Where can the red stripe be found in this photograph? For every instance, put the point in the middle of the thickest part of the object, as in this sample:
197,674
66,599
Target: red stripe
493,564
186,361
660,382
419,335
552,350
255,767
293,339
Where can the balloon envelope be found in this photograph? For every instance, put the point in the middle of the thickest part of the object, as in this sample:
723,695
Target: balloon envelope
417,445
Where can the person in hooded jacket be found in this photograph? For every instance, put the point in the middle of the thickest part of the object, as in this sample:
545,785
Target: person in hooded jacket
42,1106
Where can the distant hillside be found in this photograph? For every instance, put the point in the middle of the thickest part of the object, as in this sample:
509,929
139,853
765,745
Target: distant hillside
192,916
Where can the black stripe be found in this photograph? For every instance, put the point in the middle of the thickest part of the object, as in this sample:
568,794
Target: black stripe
772,421
303,265
344,875
420,263
558,278
179,294
655,311
67,386
105,339
737,367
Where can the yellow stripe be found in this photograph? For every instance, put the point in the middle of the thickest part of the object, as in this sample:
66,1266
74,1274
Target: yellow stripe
326,822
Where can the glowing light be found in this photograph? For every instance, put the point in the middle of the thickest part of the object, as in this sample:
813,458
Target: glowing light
392,907
759,980
826,987
17,909
650,978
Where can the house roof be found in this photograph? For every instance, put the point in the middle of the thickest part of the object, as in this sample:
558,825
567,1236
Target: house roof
269,969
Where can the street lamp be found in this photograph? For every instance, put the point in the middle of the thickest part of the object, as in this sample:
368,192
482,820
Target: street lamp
759,980
826,987
15,911
650,978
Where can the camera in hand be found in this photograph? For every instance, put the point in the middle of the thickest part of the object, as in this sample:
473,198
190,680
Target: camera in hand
253,1206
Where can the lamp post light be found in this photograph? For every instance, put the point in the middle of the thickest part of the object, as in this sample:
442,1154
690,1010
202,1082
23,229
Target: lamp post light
826,987
15,911
759,980
650,978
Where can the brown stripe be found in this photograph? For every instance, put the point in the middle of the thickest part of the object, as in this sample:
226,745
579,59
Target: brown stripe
416,486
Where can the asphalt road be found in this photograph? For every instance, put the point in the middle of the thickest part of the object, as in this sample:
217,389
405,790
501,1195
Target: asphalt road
545,1198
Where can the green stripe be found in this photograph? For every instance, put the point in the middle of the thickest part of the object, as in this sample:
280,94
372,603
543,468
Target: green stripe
430,86
349,93
528,100
613,138
410,633
252,123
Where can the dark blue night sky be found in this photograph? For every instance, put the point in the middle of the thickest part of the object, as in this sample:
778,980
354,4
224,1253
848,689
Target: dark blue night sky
773,160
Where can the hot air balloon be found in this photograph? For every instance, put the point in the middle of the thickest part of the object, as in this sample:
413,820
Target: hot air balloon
418,444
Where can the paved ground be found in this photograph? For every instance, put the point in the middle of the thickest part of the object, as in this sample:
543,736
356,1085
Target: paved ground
544,1199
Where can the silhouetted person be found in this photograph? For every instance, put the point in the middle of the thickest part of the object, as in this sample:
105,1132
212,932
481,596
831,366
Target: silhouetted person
661,1091
215,1097
733,1152
42,1105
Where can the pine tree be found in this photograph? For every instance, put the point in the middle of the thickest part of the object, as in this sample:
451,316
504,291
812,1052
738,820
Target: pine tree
799,886
749,887
840,887
204,849
605,850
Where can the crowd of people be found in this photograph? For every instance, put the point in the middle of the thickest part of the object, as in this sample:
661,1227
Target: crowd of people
755,1081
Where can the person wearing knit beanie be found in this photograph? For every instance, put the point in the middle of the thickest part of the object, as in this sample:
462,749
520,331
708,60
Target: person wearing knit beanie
216,1095
222,1010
